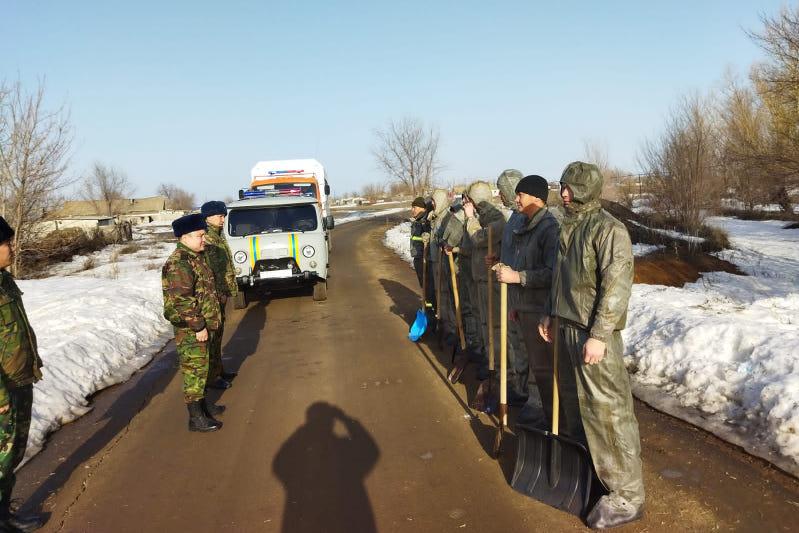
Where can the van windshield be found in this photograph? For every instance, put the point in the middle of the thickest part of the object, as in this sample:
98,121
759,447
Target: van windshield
242,222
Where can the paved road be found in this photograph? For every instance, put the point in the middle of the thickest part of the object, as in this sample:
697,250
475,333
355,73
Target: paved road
337,423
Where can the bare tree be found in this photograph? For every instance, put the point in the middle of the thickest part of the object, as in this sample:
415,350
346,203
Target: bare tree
596,152
179,199
684,163
107,187
407,152
373,191
776,81
34,153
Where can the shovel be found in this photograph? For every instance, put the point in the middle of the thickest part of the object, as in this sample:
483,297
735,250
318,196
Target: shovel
503,368
419,325
457,370
439,329
551,468
485,400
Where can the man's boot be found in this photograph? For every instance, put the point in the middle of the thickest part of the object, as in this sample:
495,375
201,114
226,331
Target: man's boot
219,383
197,419
228,375
14,523
613,511
210,409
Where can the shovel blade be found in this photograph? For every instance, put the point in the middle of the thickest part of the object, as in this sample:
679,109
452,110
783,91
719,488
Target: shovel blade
419,326
554,470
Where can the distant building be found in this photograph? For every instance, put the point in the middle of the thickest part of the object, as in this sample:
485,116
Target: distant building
91,214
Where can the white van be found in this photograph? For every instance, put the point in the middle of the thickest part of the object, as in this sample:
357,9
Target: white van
278,243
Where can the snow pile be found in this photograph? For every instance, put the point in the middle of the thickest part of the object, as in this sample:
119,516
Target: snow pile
95,327
398,239
360,215
646,249
671,233
723,353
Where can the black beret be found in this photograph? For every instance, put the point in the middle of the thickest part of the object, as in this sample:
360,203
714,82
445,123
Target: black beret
187,224
214,207
534,186
6,231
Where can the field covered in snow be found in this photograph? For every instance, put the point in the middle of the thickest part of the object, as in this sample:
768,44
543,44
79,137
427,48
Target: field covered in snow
723,352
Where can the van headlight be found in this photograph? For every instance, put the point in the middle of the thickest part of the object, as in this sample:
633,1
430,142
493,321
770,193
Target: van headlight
240,256
308,251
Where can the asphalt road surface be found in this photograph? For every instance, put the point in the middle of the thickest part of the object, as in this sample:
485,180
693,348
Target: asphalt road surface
337,422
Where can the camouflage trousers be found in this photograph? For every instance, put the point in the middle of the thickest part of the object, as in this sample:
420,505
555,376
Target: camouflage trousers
14,426
598,407
215,347
194,361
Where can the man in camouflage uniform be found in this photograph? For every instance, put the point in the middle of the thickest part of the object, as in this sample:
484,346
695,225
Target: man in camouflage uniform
219,257
191,304
591,286
19,369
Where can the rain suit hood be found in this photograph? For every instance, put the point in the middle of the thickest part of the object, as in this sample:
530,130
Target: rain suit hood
506,183
441,199
480,193
585,181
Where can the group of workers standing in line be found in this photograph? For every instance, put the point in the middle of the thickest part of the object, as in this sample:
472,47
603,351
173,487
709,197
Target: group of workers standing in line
569,273
197,280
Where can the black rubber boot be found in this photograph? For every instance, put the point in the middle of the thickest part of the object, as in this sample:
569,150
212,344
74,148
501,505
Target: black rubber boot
197,419
228,375
219,383
210,409
13,523
613,511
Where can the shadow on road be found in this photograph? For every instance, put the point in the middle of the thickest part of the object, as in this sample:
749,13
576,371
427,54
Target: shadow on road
323,473
113,421
404,304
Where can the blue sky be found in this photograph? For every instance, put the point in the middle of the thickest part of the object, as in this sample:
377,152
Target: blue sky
195,92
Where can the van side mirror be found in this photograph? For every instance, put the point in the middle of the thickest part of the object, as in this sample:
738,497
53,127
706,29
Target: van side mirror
328,222
327,189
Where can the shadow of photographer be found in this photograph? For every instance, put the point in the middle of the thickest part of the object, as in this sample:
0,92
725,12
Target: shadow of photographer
322,467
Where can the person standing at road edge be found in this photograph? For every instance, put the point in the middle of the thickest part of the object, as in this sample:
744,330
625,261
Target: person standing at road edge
589,306
20,368
191,304
220,259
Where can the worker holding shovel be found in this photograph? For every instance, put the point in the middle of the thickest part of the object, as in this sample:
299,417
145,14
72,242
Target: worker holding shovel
590,305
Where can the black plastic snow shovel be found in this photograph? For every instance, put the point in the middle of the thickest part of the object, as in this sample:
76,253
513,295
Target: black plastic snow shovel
551,468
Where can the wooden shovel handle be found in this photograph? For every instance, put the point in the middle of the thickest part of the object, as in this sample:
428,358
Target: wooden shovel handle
503,353
490,310
456,297
555,395
424,277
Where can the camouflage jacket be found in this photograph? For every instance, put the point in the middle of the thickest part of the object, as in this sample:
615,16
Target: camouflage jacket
190,297
19,356
220,259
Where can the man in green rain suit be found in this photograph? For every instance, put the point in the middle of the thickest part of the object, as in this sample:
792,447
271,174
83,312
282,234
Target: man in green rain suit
220,259
591,288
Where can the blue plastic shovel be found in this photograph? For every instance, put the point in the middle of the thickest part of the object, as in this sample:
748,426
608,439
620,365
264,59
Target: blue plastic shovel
419,325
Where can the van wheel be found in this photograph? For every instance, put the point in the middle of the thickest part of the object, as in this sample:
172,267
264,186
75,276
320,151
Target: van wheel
240,300
320,291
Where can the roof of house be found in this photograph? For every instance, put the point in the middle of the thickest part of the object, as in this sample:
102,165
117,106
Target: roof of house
132,206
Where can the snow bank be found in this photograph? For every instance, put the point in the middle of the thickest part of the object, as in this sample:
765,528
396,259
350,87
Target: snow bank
95,327
723,352
398,239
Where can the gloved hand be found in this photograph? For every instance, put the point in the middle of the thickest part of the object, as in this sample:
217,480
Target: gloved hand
426,237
